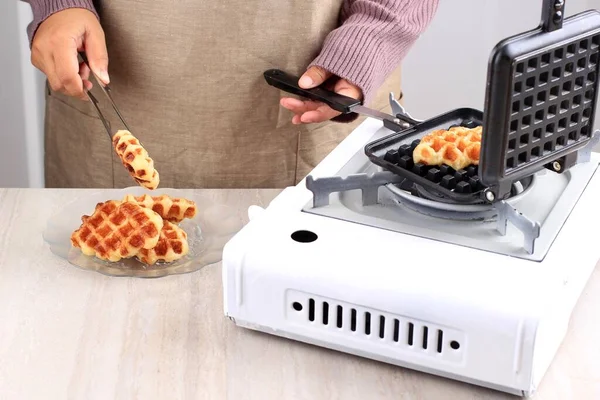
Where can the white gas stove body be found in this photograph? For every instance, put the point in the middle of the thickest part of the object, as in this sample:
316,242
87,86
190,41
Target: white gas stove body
487,319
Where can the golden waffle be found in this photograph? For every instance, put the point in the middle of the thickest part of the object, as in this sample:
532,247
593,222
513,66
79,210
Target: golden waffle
169,208
171,246
117,230
457,147
136,159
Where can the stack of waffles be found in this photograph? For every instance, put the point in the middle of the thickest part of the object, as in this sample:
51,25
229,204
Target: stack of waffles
144,227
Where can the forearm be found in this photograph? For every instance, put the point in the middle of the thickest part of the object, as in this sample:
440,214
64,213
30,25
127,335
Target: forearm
42,9
374,37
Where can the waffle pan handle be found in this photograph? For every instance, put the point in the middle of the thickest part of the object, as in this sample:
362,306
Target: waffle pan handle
288,83
553,12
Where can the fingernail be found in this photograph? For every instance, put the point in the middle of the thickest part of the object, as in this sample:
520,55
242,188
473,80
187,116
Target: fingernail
305,81
103,75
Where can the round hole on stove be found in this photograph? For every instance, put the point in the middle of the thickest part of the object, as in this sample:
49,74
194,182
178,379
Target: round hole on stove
455,345
304,236
297,306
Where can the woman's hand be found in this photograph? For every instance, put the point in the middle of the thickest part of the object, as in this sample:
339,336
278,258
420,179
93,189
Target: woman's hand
55,48
309,111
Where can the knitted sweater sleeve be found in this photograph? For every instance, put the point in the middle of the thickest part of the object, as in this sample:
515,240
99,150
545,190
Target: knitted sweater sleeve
373,38
42,9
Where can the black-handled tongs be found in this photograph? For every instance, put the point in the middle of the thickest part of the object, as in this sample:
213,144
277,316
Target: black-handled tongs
344,104
94,100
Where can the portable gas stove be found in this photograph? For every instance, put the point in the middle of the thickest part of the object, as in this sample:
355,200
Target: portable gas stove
476,285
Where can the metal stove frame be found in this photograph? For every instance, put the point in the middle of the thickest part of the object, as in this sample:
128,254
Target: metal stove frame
370,184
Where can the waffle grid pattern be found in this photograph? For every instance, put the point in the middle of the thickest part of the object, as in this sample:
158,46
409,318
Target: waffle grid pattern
553,97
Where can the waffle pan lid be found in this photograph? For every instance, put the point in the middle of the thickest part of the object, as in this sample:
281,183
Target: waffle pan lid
541,95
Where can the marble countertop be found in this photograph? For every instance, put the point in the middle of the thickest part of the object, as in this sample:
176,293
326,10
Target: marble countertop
70,333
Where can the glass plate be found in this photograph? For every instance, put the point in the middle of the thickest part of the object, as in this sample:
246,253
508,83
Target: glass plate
208,232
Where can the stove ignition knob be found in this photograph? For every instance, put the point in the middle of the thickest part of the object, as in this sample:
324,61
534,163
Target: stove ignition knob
489,195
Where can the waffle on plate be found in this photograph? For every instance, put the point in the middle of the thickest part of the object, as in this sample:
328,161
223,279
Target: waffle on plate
170,209
172,245
117,230
142,227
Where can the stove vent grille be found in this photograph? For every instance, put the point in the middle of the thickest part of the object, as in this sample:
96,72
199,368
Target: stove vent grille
328,315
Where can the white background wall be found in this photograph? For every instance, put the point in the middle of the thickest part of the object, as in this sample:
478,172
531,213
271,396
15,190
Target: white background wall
445,70
21,102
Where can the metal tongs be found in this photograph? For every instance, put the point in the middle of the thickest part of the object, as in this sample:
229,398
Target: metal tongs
94,100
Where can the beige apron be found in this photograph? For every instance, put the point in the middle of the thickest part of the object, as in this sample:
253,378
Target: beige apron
187,76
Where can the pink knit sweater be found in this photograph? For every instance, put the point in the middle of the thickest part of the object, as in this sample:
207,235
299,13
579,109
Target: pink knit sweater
373,38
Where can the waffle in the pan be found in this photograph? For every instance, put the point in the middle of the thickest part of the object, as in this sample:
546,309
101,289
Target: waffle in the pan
172,245
117,230
171,209
136,159
457,147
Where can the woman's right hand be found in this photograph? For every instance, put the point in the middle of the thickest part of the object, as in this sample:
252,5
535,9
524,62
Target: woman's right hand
55,48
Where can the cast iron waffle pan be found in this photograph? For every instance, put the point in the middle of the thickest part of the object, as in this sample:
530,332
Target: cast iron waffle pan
394,153
540,105
542,88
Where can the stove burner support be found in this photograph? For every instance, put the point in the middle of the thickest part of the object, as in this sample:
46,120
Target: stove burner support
529,228
321,188
369,184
